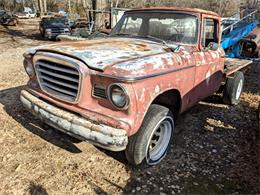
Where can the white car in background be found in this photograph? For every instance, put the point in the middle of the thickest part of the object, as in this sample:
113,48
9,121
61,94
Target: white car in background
26,15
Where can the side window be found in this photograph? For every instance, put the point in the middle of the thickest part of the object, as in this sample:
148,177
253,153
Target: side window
210,31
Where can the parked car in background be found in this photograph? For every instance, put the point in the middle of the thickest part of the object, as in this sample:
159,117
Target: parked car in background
82,34
6,18
26,15
51,27
80,23
49,14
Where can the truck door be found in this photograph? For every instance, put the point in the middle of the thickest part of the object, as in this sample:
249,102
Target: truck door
209,62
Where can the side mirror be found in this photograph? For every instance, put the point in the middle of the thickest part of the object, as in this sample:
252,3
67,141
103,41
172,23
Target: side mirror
213,46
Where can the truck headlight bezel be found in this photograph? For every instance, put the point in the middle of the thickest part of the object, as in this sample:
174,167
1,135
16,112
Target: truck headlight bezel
66,30
118,96
48,31
28,68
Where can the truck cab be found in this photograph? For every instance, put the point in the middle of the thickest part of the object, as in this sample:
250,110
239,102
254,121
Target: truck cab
124,91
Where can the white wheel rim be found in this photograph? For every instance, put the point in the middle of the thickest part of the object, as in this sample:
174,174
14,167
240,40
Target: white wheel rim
159,141
239,89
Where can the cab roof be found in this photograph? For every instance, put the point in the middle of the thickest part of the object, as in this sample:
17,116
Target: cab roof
192,10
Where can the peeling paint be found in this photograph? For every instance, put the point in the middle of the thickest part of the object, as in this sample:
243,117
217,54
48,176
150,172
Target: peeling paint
208,77
102,53
157,89
156,62
99,134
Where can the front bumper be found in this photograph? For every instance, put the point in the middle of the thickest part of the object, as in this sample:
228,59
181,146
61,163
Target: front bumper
54,35
98,134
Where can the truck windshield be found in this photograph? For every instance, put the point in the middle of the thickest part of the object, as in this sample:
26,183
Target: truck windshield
51,21
170,27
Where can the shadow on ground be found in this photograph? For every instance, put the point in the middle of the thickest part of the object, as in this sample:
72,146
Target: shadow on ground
22,34
213,153
206,157
36,189
216,151
12,105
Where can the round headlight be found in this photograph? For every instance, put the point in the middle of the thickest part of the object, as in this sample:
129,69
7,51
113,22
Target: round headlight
28,68
48,31
118,96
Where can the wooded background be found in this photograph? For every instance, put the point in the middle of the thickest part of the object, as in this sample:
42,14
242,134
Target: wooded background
223,7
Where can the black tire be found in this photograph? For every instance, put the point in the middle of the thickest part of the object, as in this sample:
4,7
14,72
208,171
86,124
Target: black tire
138,151
42,32
233,89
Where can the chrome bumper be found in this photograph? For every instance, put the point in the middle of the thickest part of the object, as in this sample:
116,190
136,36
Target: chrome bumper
54,35
98,134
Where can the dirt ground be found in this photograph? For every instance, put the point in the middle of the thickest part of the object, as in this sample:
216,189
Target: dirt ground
216,151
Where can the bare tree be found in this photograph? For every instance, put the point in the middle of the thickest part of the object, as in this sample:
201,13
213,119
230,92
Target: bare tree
45,6
69,6
40,6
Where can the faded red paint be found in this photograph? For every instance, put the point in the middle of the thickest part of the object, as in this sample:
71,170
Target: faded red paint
192,10
192,71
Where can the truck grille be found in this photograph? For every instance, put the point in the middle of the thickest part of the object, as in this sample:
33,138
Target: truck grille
59,31
59,80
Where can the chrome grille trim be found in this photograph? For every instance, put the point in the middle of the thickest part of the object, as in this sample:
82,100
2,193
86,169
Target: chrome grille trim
58,75
58,82
59,69
53,87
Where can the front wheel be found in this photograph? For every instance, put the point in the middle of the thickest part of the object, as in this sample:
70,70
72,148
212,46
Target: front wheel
233,89
151,143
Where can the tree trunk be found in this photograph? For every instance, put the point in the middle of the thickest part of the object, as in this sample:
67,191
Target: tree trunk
14,4
45,5
40,6
69,6
85,8
100,15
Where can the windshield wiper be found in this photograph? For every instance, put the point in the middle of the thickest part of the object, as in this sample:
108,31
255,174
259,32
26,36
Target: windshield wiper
153,38
174,49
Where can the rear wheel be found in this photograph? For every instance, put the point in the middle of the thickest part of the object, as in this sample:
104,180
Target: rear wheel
233,89
150,144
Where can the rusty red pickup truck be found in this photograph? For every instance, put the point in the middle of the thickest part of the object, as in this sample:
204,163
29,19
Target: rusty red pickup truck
124,91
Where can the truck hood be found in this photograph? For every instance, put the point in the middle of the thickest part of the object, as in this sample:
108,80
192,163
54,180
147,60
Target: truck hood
102,53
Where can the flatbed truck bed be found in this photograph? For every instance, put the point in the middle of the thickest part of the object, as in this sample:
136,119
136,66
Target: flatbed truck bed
233,65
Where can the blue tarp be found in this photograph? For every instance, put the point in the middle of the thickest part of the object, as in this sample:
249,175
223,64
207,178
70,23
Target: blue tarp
233,37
